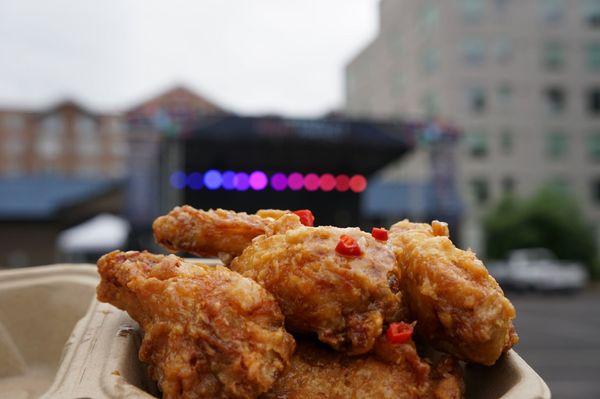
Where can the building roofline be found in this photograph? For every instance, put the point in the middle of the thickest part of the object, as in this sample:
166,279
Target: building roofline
167,89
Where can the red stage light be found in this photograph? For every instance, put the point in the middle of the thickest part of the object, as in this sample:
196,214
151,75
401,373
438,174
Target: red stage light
358,183
342,183
327,182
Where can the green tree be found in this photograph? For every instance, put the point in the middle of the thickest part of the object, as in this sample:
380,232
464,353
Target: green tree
550,219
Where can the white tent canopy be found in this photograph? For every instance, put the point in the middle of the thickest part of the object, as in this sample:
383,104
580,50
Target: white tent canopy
101,233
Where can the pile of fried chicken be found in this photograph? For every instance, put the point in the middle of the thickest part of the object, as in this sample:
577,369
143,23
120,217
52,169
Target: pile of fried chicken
352,301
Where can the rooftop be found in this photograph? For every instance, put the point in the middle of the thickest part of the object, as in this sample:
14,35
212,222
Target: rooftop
42,197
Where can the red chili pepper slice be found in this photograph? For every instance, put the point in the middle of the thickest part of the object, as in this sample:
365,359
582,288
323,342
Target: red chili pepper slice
399,333
306,217
348,246
380,234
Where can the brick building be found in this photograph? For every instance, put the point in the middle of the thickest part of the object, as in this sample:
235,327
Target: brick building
66,139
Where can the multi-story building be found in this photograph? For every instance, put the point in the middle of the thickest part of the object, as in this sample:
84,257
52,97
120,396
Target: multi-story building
66,140
520,78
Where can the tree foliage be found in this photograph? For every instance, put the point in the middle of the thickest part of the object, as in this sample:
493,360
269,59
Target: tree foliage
550,219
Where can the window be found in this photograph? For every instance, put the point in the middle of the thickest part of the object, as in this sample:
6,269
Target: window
553,56
593,101
504,94
473,51
508,185
430,104
88,143
480,190
552,11
591,13
503,50
593,146
476,101
555,100
506,142
429,14
477,144
472,10
556,145
430,60
50,136
13,126
592,55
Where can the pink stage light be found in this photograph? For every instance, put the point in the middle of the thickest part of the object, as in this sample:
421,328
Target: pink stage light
295,181
258,180
311,182
327,182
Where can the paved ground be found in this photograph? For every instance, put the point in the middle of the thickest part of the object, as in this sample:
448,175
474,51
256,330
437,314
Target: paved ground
560,339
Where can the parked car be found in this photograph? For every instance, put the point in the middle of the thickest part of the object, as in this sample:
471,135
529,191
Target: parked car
538,269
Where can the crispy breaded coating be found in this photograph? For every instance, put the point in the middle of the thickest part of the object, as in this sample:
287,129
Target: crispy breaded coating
208,332
211,233
345,300
459,307
320,373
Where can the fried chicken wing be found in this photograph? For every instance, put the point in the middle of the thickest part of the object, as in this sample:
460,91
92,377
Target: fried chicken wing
346,300
317,372
459,307
211,233
208,332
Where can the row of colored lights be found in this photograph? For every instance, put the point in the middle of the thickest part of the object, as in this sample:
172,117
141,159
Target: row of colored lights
258,180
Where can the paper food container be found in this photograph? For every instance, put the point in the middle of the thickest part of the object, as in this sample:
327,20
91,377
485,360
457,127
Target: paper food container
39,309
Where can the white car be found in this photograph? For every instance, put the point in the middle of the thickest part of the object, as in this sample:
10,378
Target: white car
538,269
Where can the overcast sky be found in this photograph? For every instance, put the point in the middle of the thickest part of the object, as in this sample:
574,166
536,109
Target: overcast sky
251,56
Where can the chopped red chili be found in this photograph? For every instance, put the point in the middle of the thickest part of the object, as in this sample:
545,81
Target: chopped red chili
348,246
399,333
306,217
380,234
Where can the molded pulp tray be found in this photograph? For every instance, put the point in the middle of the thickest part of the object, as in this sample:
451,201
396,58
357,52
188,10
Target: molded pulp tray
39,306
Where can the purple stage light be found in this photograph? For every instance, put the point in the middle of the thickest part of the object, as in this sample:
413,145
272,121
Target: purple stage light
213,179
295,181
194,181
178,180
311,182
258,180
241,181
327,182
279,182
228,180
